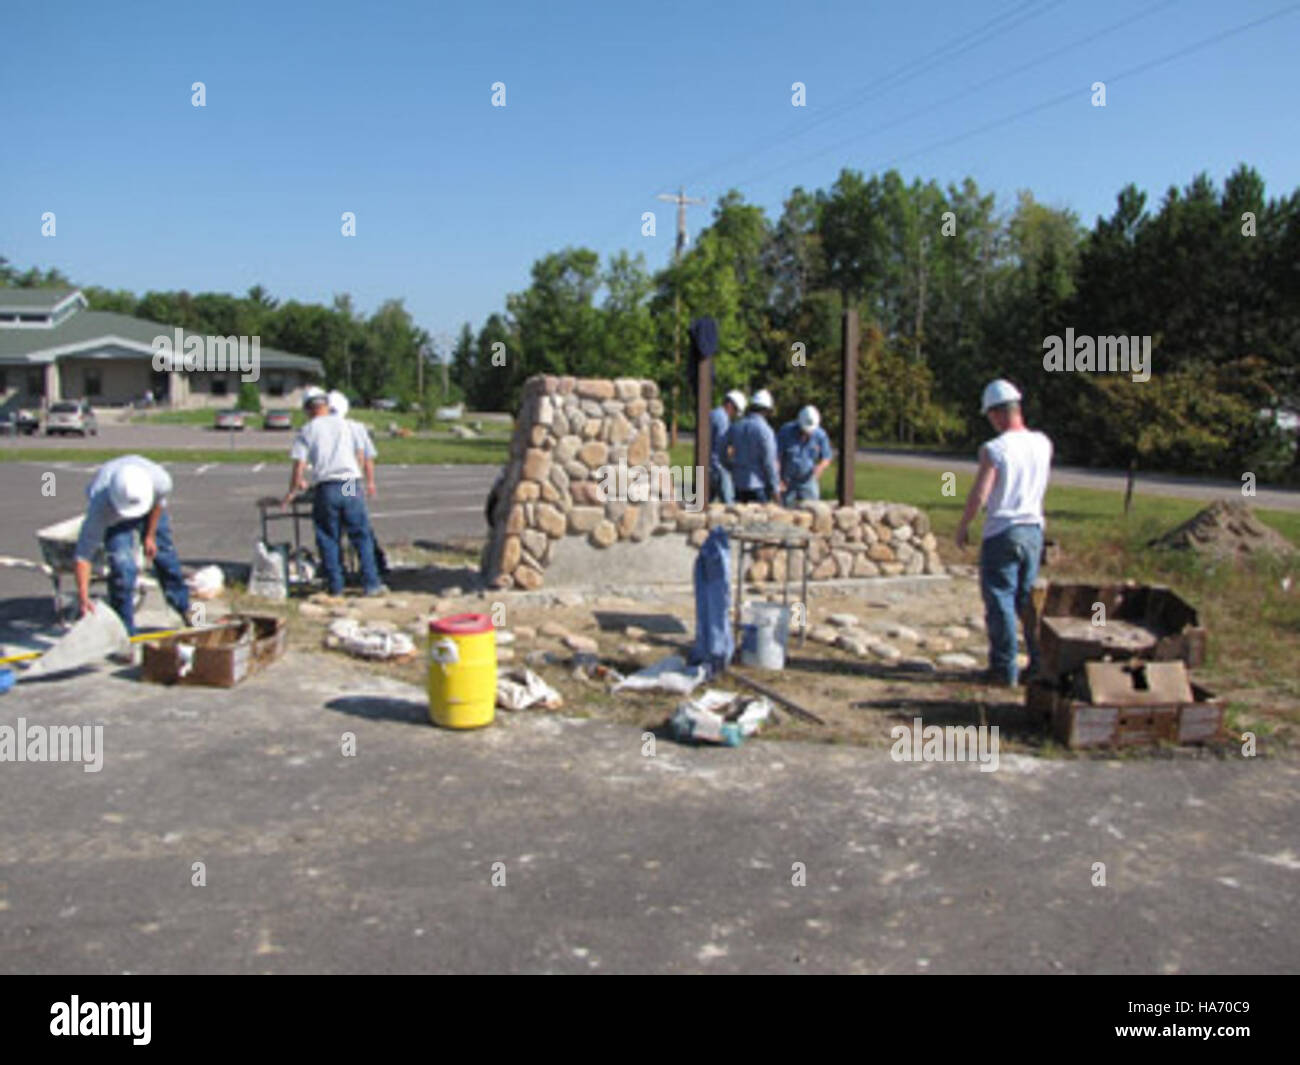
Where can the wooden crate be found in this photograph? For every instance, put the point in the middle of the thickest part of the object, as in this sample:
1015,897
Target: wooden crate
1146,621
222,656
1081,723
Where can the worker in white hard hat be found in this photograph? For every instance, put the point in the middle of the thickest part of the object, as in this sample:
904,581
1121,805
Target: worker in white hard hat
804,451
128,496
1010,483
327,445
721,486
339,405
751,457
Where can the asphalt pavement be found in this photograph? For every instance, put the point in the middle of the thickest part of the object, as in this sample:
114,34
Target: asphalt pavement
233,832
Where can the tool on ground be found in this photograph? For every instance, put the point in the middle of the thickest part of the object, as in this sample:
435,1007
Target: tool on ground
763,689
27,656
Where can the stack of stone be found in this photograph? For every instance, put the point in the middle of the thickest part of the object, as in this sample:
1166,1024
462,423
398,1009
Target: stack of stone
569,431
573,431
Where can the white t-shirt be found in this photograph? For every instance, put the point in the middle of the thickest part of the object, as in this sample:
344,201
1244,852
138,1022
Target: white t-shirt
1023,459
330,446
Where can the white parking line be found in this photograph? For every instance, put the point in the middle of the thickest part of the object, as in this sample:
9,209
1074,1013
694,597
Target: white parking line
258,467
430,510
203,469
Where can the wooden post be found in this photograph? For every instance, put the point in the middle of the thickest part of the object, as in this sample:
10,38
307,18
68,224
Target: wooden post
848,405
703,430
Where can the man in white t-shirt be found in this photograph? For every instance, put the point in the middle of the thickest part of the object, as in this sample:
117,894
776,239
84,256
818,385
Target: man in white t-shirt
1011,481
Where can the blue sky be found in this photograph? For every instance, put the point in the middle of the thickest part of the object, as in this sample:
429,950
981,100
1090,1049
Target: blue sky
384,109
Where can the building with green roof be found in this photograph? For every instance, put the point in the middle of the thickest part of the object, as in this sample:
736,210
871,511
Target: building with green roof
53,347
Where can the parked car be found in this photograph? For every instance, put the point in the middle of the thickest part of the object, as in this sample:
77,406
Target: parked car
229,419
25,422
386,404
71,416
278,419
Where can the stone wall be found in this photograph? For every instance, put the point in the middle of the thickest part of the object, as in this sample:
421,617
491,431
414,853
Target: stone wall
571,430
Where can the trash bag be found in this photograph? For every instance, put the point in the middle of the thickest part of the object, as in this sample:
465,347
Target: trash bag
715,643
267,579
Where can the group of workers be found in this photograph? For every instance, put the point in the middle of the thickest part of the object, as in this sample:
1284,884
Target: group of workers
749,462
127,498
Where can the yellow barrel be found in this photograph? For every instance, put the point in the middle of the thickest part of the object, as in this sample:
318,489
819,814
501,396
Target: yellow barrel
462,671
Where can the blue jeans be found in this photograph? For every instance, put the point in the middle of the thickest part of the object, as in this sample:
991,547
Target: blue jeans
119,546
721,487
338,507
1008,569
796,493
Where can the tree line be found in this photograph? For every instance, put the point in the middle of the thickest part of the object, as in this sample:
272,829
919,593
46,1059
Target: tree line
952,289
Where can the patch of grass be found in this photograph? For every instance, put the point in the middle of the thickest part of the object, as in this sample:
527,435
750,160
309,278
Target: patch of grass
411,450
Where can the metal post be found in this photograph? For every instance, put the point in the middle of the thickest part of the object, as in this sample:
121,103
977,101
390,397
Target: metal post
848,405
703,405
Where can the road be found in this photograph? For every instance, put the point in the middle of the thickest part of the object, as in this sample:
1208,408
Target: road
772,857
1204,489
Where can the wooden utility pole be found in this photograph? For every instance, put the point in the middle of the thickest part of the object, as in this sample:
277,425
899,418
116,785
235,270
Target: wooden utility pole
848,405
682,201
703,407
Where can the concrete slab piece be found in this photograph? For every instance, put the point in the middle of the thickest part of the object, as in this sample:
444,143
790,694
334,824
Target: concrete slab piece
339,832
667,559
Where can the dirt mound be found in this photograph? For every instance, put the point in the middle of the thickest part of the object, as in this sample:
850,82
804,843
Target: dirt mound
1228,529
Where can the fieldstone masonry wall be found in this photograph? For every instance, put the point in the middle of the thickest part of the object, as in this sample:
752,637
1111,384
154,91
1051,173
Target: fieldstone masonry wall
570,429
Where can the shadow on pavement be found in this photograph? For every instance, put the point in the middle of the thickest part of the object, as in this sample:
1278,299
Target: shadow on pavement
377,708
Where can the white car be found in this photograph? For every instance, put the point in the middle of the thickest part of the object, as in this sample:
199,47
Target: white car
71,416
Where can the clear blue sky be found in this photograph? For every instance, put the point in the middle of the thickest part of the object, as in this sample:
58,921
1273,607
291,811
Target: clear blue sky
384,109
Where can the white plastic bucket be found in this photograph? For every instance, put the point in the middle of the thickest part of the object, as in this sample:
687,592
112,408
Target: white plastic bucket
765,631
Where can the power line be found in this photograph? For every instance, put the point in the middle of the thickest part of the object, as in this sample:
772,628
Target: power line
1073,94
899,76
967,91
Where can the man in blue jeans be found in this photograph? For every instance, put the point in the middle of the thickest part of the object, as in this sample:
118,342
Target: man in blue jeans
1011,480
128,496
328,444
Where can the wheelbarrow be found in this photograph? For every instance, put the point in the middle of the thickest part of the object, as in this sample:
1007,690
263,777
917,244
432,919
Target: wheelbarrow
59,551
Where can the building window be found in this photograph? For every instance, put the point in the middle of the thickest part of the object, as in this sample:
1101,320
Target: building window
4,379
35,383
219,387
275,384
94,383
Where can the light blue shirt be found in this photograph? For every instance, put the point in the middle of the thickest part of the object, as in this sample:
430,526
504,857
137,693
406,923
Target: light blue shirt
800,454
101,515
719,423
753,463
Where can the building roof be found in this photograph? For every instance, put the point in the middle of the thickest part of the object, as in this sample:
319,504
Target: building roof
35,300
86,329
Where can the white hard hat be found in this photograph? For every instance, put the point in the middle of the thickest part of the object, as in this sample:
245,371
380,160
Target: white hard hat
311,394
737,399
997,393
809,418
761,400
338,403
131,491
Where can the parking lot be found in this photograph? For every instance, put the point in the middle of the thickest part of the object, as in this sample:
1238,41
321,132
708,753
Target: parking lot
215,513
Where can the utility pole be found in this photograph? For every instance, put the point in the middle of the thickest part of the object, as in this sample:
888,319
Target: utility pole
682,201
920,322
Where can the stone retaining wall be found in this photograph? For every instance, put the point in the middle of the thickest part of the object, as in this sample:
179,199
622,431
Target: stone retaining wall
570,432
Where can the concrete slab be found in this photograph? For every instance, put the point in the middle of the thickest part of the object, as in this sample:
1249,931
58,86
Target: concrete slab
383,861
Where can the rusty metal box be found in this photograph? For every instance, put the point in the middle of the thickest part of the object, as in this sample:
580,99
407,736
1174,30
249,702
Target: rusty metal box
220,657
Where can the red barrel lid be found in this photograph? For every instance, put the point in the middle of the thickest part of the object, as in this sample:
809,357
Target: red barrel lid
461,625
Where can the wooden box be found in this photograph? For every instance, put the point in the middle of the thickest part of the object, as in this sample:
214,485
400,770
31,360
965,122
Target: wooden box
1104,707
220,657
